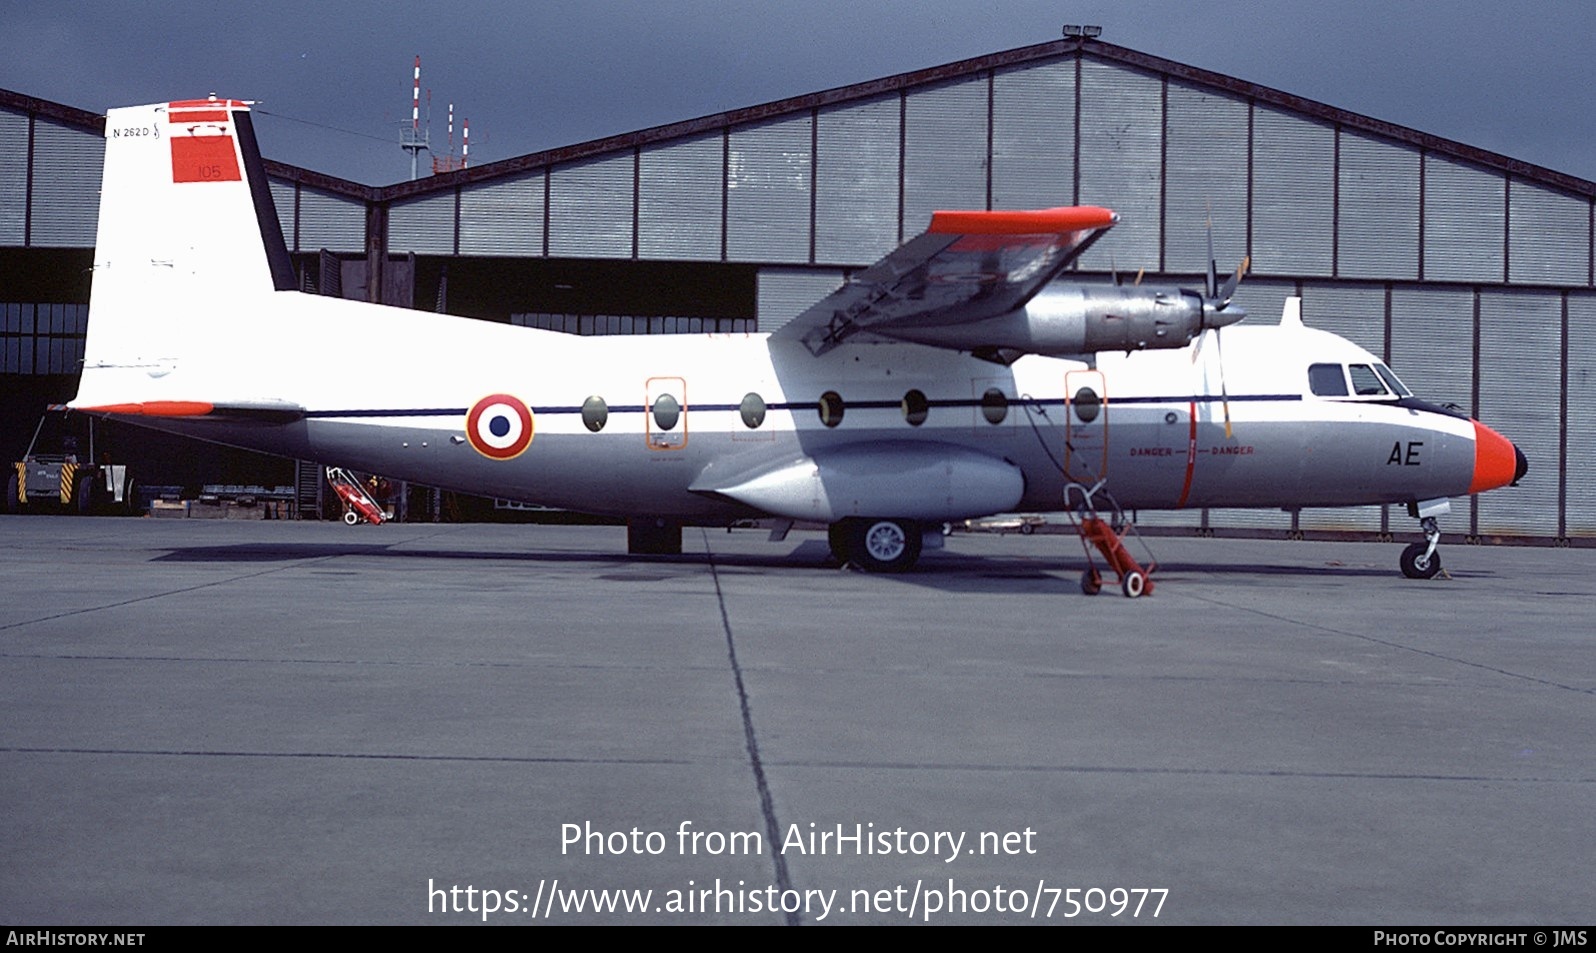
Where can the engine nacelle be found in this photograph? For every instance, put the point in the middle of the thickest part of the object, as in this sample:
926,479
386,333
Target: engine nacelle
1083,319
926,481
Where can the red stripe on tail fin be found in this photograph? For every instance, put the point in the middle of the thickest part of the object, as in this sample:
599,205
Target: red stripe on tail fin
204,159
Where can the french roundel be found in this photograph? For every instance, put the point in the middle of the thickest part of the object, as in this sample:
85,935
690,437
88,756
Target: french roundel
499,427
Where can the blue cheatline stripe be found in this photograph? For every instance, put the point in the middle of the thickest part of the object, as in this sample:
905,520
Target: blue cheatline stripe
815,405
420,412
1202,399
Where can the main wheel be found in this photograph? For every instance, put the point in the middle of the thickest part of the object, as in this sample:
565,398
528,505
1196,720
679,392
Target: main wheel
1416,566
881,545
653,536
837,539
83,492
13,494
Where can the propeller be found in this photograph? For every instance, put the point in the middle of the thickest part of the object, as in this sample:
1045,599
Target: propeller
1224,394
1210,291
1216,299
1113,271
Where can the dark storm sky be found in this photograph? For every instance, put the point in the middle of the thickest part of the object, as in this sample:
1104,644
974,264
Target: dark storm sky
1510,77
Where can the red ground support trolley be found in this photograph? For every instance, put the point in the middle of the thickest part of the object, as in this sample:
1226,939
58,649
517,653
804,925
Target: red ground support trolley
1108,537
360,504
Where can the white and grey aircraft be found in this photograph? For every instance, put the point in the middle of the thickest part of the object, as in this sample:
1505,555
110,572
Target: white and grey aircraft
953,379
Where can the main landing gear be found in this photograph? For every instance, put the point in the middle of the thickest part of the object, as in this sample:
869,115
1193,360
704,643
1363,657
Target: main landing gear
1420,560
653,536
876,545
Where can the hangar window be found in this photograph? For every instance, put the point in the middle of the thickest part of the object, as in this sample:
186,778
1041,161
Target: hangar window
915,408
595,413
1365,382
1327,380
831,408
42,338
666,411
753,411
994,406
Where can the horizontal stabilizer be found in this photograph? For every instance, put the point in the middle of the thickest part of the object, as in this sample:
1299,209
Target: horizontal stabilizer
276,411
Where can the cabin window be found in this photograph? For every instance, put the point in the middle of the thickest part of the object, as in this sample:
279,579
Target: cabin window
915,408
1086,405
753,411
666,411
831,408
595,413
1327,380
1365,382
994,406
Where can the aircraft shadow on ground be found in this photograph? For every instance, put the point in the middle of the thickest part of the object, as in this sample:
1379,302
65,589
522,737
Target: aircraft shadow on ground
941,570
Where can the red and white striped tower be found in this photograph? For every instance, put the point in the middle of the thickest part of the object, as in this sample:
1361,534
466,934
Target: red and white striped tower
415,140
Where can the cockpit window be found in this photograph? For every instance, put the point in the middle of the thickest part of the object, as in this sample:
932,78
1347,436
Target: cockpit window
1391,381
1327,380
1365,382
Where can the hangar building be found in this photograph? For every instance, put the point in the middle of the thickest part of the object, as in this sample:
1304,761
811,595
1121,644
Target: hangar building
1471,273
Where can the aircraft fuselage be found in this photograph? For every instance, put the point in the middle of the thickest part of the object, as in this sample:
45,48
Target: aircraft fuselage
1153,423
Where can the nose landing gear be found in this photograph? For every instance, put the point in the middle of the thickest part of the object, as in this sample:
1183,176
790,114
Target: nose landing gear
1420,560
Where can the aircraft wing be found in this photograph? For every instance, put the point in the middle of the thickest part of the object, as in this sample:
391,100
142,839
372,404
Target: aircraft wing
968,266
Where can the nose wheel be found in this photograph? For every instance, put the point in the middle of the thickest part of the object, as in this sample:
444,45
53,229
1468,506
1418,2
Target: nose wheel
1420,560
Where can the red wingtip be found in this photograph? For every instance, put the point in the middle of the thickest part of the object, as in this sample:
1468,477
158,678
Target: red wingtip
1045,221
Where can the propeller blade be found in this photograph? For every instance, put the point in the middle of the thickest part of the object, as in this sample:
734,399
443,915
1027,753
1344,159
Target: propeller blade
1213,276
1224,394
1229,290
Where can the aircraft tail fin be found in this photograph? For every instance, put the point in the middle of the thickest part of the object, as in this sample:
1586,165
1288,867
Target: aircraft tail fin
187,233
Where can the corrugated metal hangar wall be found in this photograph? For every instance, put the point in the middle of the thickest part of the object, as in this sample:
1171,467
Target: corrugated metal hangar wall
1471,273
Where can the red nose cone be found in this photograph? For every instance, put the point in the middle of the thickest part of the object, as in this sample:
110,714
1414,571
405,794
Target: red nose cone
1495,460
